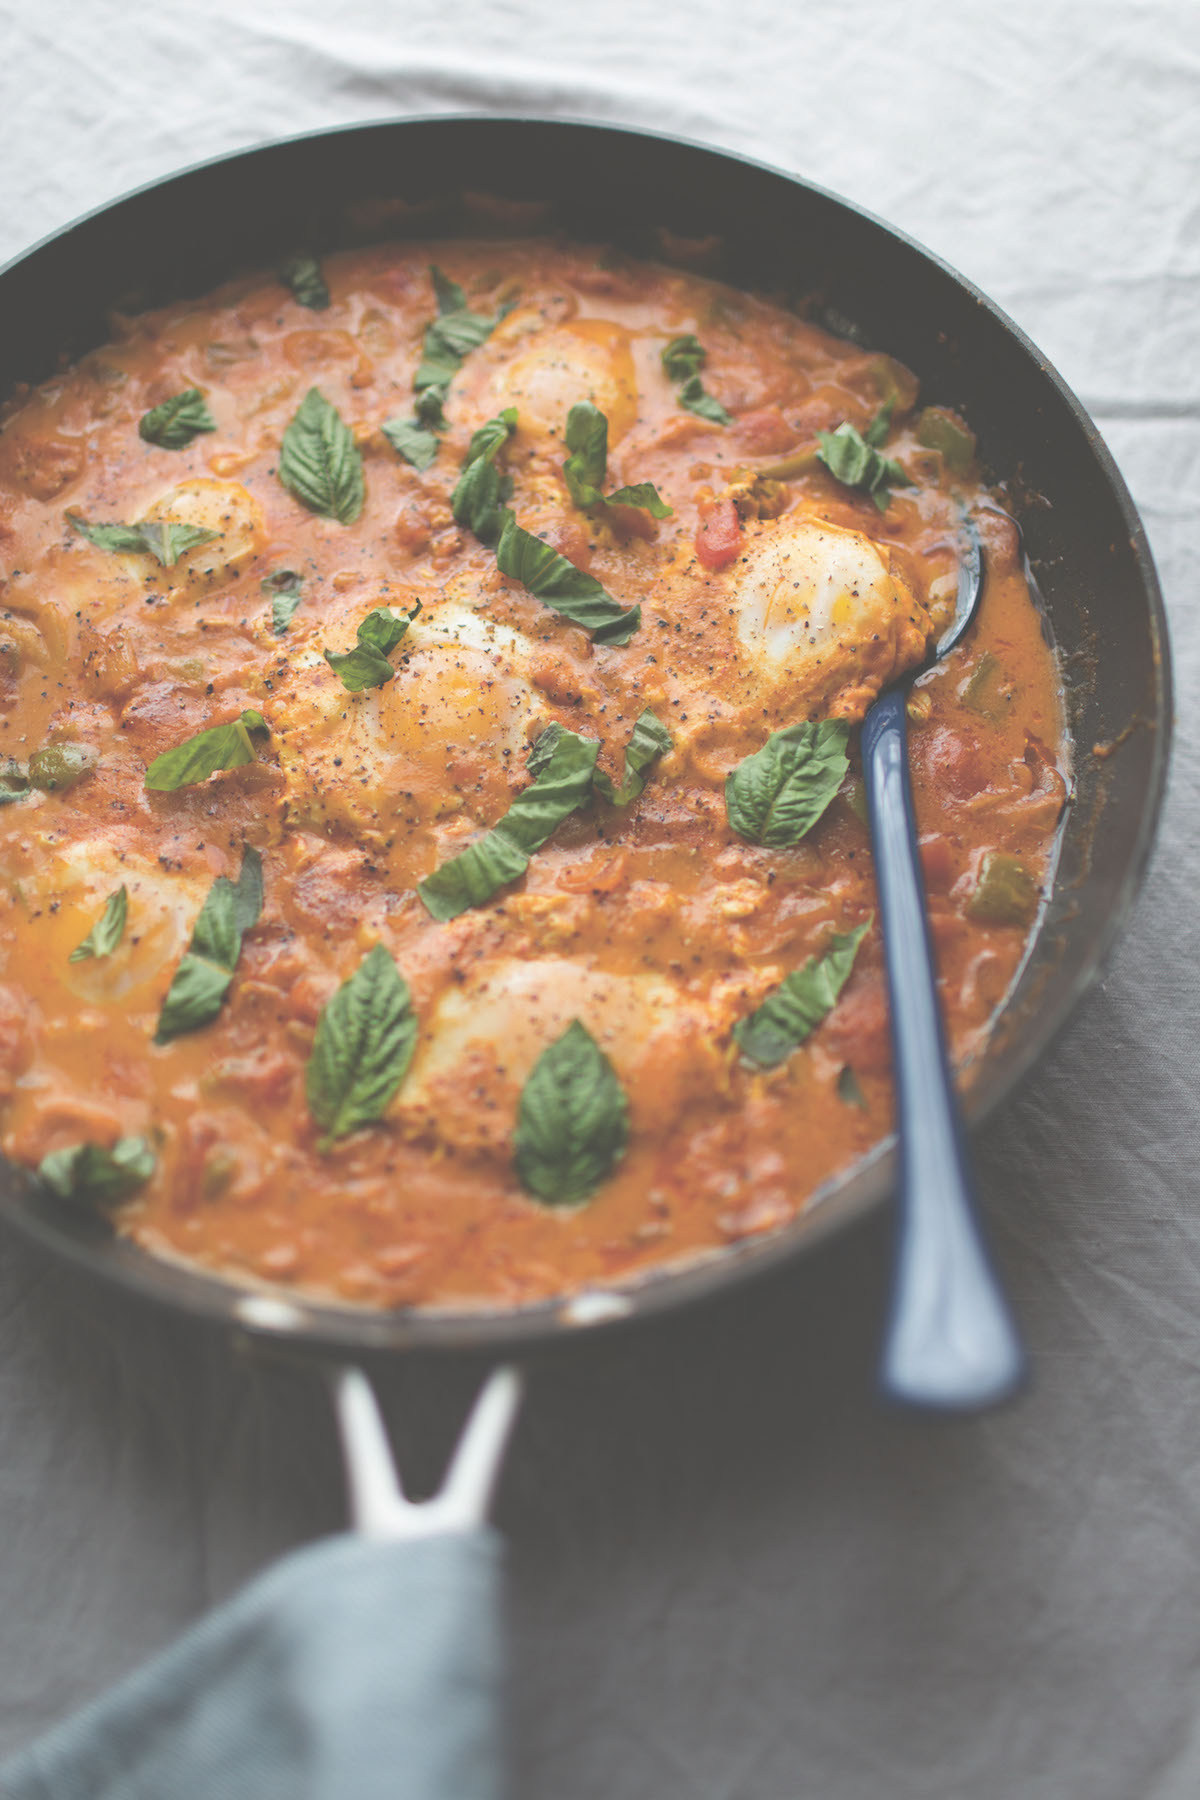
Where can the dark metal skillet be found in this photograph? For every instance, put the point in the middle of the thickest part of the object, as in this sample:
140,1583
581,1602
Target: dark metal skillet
183,235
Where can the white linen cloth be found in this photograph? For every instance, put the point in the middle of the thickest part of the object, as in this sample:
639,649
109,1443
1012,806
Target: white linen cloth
735,1579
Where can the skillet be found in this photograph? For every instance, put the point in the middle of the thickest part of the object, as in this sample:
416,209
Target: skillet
1086,547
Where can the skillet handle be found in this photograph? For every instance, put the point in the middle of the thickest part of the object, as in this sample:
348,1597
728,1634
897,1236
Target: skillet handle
950,1343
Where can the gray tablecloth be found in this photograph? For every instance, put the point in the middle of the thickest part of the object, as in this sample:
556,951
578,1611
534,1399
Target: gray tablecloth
734,1579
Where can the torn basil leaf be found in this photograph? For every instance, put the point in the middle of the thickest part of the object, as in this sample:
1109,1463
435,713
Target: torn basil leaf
202,980
480,490
684,357
648,740
220,747
696,399
363,1046
92,1176
562,784
562,587
573,1122
414,442
789,1015
586,468
855,461
320,463
173,424
779,793
542,748
367,665
449,295
108,930
303,275
285,588
165,539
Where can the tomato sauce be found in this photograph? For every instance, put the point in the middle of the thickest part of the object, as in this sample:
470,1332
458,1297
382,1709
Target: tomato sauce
655,923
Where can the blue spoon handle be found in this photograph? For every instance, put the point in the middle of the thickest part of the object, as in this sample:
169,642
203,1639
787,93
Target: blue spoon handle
950,1342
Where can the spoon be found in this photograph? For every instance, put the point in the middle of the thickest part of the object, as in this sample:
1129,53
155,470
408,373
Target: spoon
950,1343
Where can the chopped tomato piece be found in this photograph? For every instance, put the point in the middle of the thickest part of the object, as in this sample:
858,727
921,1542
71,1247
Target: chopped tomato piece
720,537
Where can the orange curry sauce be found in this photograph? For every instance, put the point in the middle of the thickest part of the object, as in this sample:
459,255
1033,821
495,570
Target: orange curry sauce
656,924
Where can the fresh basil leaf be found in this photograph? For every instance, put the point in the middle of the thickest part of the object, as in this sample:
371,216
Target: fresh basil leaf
285,588
881,424
789,1015
165,539
449,296
220,747
643,494
175,422
586,467
780,792
362,1049
320,463
573,1122
411,440
492,436
248,890
201,982
561,586
429,408
303,275
562,784
88,1174
648,740
542,748
684,357
367,665
856,463
692,395
14,782
477,500
108,930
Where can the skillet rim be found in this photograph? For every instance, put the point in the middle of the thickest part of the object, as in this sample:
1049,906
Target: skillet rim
311,1324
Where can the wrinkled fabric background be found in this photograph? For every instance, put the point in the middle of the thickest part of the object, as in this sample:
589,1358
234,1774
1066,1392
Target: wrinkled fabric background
733,1577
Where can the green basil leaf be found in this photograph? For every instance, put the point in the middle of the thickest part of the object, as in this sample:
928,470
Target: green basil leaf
303,275
789,1015
96,1177
412,441
57,766
542,748
14,782
477,500
780,792
220,747
175,422
108,930
285,588
248,890
320,463
165,539
367,665
586,467
561,586
643,494
562,784
881,424
649,740
684,357
856,463
693,395
201,982
573,1122
363,1046
449,296
492,436
429,408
